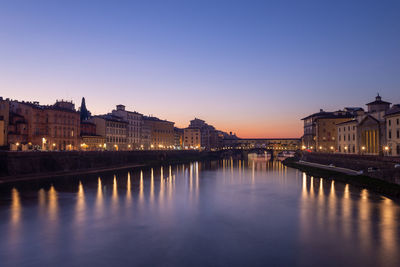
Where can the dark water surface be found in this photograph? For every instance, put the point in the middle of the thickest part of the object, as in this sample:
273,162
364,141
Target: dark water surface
226,213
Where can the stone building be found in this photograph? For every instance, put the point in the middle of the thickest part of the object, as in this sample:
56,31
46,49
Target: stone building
372,127
347,137
392,116
113,129
178,138
4,121
320,132
326,130
53,127
209,135
90,140
159,133
192,138
134,127
310,129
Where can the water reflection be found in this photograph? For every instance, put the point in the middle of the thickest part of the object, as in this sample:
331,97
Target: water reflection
251,208
341,218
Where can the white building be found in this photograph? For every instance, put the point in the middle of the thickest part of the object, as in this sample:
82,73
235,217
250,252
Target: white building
134,127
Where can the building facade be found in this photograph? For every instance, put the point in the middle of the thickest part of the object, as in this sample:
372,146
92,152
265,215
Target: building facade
209,135
159,133
347,137
392,147
113,130
90,141
326,131
192,138
54,127
134,127
4,121
178,138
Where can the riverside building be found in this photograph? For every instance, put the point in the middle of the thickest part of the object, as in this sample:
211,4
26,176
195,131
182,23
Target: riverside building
113,129
159,134
392,147
53,127
192,138
134,127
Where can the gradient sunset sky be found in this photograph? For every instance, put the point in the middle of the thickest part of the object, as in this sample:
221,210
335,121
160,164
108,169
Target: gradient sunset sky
251,67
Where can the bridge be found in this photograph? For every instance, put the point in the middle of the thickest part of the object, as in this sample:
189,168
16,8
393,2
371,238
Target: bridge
274,144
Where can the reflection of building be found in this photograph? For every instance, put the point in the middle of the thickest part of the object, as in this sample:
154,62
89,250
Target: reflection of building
4,120
113,129
393,131
133,130
160,133
54,127
178,138
191,138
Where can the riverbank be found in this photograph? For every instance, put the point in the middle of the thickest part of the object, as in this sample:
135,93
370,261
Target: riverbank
26,166
364,181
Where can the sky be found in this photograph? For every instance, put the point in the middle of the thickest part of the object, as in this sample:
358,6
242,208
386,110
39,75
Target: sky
251,67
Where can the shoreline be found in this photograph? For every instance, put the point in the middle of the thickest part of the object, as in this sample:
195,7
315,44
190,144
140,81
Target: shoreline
110,164
376,185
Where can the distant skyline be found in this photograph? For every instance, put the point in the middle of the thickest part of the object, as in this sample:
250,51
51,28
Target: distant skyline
251,67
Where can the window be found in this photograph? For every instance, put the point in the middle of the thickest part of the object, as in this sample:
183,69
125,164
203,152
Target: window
398,134
390,134
397,121
390,122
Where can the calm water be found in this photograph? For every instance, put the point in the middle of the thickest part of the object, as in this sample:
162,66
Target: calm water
227,213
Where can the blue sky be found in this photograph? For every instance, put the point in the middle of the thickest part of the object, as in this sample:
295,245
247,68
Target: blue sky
251,67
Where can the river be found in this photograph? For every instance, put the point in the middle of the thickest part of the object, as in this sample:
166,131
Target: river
218,213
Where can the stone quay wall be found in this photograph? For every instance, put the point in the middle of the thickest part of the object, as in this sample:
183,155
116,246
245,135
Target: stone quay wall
384,165
17,164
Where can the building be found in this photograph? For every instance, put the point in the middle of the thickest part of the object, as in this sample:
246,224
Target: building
178,138
326,130
4,121
310,129
134,127
347,137
159,133
209,135
192,138
372,128
90,140
320,130
113,129
392,117
52,127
